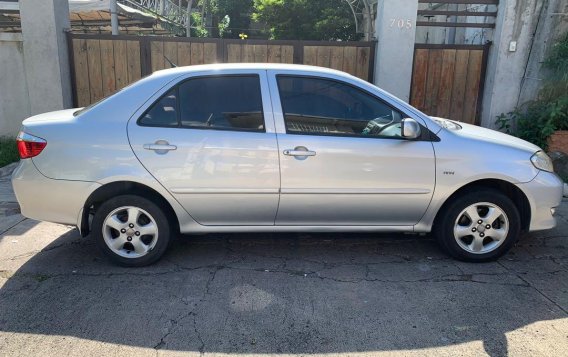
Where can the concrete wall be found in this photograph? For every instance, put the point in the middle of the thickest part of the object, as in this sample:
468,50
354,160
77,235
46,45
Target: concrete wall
47,63
552,24
515,76
14,98
34,66
395,46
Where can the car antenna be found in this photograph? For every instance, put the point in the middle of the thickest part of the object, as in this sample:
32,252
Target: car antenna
170,62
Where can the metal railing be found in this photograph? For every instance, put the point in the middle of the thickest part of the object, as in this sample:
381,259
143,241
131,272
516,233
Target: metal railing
164,10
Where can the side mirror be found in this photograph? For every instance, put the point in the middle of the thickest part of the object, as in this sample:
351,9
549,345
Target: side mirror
409,128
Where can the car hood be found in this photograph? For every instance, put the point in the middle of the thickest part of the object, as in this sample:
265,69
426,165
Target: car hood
485,135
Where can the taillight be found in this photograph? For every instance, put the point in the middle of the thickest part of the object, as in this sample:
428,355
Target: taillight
29,145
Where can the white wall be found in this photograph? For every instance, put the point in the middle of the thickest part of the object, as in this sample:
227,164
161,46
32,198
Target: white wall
395,46
45,48
14,97
34,67
514,77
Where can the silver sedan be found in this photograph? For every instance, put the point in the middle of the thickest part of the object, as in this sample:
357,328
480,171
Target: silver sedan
279,148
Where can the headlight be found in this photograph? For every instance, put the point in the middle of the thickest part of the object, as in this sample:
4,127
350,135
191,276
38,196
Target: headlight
542,162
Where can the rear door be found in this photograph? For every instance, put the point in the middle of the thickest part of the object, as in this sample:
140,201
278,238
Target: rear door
343,160
210,140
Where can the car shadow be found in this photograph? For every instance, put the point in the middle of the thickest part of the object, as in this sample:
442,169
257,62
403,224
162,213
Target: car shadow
285,294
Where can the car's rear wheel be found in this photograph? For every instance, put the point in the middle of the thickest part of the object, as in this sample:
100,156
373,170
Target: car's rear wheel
478,226
131,230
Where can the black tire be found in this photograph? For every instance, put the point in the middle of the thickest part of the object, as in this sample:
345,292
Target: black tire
447,218
164,229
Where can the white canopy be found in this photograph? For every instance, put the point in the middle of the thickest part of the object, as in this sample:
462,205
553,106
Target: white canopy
100,9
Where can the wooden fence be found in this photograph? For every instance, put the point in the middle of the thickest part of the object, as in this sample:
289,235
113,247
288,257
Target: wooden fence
447,80
103,64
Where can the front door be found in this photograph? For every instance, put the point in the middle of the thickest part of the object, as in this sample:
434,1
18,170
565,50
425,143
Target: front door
342,158
210,141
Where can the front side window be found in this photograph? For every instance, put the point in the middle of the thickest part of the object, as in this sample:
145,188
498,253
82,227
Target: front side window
327,107
231,102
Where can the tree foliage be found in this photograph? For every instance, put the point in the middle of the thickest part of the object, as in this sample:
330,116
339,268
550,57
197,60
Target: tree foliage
231,16
306,19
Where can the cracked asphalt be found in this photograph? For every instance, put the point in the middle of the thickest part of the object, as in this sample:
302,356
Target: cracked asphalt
278,294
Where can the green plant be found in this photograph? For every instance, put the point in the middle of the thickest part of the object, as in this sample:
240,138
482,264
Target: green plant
329,20
198,26
503,121
538,119
224,25
8,151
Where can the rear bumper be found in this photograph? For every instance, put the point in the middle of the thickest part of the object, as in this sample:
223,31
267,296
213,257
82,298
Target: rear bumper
46,199
544,193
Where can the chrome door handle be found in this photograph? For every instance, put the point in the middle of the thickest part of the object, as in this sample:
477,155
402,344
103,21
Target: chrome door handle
299,151
164,147
160,147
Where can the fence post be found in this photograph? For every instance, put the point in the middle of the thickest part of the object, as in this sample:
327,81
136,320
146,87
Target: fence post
46,59
298,57
145,55
395,31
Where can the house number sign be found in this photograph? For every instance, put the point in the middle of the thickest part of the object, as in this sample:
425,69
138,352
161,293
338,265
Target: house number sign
401,23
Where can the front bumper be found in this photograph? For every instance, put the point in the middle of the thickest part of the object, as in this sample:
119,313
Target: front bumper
45,199
544,193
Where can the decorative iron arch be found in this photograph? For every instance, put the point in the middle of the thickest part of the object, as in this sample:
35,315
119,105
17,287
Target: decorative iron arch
363,15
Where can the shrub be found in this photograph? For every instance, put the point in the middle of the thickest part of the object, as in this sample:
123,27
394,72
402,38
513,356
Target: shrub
8,151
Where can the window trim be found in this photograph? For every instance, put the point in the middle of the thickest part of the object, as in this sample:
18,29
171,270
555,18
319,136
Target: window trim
426,135
178,103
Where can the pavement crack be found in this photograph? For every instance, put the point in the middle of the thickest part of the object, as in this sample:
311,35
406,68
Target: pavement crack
536,289
544,295
13,225
469,278
41,251
198,334
208,285
175,322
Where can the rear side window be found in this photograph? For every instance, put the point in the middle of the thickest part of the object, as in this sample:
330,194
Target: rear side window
163,112
232,102
215,102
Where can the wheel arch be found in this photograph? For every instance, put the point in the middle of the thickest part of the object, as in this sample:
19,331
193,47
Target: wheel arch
518,197
116,188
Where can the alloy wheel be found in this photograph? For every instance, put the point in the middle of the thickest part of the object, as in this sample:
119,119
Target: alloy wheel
130,232
481,228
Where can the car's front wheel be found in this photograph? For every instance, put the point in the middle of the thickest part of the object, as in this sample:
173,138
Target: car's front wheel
131,230
478,226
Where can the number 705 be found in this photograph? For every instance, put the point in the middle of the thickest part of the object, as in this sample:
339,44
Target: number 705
401,23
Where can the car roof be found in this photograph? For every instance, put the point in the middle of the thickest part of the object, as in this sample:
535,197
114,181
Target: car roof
249,66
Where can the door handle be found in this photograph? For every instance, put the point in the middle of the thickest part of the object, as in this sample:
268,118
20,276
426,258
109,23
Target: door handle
300,151
160,147
165,147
